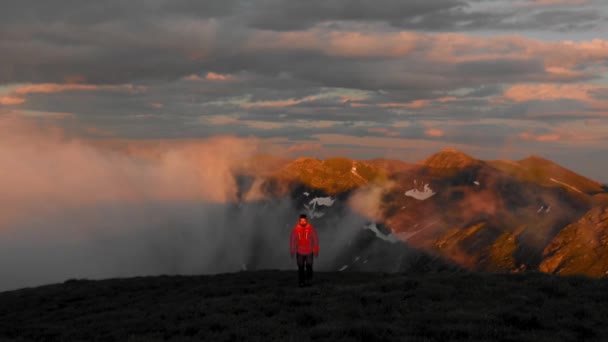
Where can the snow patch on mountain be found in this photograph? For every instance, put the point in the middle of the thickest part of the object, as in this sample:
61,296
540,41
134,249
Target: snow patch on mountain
565,184
353,170
326,201
544,209
374,228
316,202
426,193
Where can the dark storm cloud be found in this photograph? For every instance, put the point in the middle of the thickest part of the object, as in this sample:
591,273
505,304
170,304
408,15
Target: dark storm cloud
435,15
297,15
121,42
94,12
511,19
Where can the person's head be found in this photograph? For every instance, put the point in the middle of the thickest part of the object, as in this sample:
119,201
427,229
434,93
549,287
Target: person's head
303,221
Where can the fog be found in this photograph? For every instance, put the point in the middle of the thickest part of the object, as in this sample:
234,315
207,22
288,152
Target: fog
72,208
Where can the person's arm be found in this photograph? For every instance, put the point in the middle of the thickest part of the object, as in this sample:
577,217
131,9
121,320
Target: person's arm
315,247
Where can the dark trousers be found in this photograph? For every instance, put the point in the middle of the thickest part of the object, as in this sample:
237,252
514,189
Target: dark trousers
304,261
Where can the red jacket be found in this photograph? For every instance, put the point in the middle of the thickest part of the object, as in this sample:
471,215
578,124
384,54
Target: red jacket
304,240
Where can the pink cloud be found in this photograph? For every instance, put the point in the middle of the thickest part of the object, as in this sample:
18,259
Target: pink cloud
421,103
11,100
412,104
540,137
278,103
561,59
193,77
552,92
48,88
572,133
81,172
434,132
338,43
16,95
212,76
384,131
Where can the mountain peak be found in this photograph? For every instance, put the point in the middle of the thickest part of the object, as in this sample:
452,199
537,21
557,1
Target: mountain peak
536,159
449,158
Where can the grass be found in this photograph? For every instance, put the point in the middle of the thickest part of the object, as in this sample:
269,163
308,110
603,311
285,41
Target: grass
266,306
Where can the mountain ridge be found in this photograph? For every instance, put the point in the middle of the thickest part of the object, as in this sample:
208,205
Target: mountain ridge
484,215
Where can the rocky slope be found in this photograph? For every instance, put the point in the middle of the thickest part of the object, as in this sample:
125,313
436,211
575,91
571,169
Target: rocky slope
581,247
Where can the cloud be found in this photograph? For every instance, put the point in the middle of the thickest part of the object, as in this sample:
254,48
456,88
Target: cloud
11,100
44,48
552,92
48,88
279,103
284,15
211,76
434,132
16,95
384,131
412,104
557,2
540,137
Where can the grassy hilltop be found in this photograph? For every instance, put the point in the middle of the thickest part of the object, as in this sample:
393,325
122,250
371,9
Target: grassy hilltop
266,306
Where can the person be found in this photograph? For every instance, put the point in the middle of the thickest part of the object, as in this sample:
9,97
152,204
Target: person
304,244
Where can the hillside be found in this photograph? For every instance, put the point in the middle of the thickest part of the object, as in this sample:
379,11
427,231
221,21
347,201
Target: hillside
265,306
332,175
580,247
547,173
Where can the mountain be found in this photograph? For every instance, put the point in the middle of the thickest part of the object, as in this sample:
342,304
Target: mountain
547,173
333,175
498,216
340,306
449,158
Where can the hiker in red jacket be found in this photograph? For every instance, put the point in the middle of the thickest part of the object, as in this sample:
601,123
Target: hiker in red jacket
304,243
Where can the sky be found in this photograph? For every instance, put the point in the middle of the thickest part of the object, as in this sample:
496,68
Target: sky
385,78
